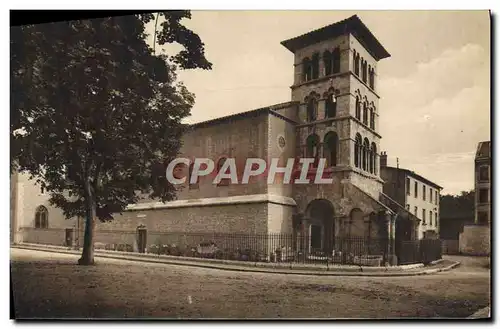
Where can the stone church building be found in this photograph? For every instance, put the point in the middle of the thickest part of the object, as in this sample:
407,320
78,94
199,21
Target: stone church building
333,113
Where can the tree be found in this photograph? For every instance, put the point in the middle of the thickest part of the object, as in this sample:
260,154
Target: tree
95,113
458,206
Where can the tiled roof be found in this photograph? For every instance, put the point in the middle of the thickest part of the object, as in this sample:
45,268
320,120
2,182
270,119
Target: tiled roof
414,174
351,25
247,114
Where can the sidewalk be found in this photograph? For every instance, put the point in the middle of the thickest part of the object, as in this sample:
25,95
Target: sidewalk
278,268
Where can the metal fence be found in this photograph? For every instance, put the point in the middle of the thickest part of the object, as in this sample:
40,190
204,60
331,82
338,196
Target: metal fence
418,251
292,248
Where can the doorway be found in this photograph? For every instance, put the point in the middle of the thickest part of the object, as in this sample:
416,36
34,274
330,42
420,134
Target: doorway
320,214
316,238
142,235
69,237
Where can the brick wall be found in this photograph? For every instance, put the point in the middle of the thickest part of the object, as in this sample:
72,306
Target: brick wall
239,218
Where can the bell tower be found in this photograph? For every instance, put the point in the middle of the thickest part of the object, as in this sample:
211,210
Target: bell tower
335,84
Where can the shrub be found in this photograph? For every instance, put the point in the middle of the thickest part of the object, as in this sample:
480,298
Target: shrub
189,252
154,249
174,250
120,247
110,246
219,254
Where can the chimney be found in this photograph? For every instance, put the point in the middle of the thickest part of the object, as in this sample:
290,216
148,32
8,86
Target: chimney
383,159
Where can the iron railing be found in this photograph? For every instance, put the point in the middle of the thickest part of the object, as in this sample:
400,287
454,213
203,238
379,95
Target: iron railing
292,248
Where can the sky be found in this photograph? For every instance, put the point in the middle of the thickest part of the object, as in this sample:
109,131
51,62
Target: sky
435,87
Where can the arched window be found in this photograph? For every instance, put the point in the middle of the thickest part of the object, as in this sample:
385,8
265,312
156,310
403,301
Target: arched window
306,69
336,60
312,109
354,61
372,78
195,185
327,61
312,146
220,163
372,118
374,158
356,65
358,108
364,67
331,106
331,148
357,151
41,217
315,66
366,153
365,113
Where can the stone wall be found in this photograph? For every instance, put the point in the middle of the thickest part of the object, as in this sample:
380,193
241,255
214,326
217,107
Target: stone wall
237,218
50,236
475,240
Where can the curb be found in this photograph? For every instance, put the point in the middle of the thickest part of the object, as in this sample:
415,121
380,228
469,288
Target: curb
242,268
224,262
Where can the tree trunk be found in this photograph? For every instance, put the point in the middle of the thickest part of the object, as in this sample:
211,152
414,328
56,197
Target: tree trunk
88,239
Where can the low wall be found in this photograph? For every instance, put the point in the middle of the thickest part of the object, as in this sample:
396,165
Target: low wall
50,236
475,240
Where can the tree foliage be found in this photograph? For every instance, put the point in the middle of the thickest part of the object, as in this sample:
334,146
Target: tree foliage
95,113
458,206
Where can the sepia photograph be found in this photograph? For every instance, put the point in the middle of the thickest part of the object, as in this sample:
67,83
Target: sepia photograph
251,164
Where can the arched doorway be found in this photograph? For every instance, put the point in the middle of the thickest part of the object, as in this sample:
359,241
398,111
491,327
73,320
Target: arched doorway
320,225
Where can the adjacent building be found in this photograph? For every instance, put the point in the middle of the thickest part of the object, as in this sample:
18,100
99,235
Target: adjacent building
419,195
476,239
482,186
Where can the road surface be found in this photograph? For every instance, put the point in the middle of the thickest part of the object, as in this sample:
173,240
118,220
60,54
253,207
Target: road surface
50,285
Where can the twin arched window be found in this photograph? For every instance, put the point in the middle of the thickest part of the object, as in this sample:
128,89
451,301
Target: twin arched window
331,62
365,111
41,217
365,154
367,73
330,148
